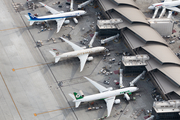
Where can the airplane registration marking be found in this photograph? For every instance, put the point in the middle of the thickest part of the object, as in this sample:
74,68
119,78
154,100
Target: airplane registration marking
124,92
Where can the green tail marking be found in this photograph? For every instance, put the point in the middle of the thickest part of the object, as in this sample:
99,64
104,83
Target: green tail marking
77,96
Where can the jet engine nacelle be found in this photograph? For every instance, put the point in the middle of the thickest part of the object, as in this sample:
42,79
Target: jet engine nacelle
127,96
110,88
117,101
90,58
66,21
75,20
84,47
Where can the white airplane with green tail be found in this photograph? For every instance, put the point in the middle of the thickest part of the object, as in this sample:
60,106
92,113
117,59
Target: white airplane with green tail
108,94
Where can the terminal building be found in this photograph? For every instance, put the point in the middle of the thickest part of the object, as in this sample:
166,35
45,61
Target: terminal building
163,66
166,110
134,64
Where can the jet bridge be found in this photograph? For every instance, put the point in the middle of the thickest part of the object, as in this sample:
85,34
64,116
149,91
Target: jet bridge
137,78
109,39
84,4
155,12
121,78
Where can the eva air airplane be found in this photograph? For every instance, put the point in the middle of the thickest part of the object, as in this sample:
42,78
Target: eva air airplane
108,94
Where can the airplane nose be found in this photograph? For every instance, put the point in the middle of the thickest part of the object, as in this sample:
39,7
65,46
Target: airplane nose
150,7
137,89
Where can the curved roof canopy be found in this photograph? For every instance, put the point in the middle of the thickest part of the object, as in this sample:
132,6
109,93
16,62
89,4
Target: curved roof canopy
134,17
164,83
132,39
107,5
172,71
162,53
126,2
125,10
147,33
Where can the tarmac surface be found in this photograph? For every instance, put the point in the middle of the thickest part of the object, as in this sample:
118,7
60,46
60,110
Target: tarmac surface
33,88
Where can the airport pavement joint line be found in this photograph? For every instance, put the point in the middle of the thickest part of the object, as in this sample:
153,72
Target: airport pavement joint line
35,114
10,96
31,66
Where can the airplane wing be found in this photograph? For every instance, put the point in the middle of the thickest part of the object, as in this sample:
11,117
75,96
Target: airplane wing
98,86
74,46
173,9
109,104
167,0
53,11
60,23
83,59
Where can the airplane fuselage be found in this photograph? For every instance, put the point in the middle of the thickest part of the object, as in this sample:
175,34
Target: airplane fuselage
107,94
81,52
165,4
60,15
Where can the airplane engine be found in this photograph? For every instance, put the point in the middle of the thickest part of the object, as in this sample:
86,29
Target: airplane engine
75,20
127,96
90,58
66,21
110,88
84,47
117,101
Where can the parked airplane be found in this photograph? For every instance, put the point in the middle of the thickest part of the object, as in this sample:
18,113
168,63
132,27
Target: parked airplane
168,4
58,16
79,52
108,94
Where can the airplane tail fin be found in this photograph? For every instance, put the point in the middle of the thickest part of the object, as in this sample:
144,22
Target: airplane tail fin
55,54
32,17
76,97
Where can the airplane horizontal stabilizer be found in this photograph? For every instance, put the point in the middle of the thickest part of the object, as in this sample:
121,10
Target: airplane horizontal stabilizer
75,97
53,53
57,59
77,103
31,22
27,17
72,96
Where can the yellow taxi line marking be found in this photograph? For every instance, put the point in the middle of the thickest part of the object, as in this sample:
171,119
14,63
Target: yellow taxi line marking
11,96
35,114
30,66
13,28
